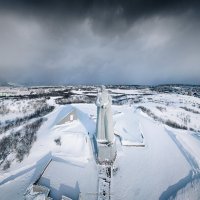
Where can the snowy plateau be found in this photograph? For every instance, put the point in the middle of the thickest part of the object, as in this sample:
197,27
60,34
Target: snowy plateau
157,134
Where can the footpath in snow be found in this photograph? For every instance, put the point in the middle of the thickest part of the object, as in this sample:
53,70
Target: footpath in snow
104,182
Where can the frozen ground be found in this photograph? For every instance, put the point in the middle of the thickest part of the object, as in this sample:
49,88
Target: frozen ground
154,160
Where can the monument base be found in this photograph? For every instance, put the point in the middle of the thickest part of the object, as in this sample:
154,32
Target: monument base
107,152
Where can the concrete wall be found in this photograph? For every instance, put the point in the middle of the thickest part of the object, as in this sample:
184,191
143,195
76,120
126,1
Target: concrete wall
106,154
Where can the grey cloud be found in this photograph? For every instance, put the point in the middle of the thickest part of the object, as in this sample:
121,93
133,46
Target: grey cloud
128,8
105,14
87,42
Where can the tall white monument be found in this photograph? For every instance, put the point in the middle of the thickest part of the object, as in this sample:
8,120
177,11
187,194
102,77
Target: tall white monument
104,129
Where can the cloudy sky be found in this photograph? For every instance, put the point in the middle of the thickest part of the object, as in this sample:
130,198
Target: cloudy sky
100,41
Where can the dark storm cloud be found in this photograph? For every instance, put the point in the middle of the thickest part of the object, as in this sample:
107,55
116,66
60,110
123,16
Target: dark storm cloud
84,41
103,10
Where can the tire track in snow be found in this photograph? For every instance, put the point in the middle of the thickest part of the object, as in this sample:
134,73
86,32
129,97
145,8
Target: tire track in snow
192,178
191,160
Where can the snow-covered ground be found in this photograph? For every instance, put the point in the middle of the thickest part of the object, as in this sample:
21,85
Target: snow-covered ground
154,160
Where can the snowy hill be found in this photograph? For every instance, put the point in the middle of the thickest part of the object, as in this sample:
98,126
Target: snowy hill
157,133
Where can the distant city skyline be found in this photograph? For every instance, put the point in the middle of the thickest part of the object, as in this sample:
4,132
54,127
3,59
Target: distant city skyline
59,42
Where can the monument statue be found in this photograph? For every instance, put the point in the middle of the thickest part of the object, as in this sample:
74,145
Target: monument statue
104,131
104,128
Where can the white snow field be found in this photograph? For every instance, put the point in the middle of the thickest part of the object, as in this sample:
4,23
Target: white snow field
154,161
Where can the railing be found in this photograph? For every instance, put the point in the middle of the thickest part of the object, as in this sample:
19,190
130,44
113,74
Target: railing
95,196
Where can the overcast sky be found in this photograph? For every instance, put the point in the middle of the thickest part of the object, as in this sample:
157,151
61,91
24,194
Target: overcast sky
100,42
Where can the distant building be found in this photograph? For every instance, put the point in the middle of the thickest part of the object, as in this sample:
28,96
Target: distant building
37,192
106,147
71,116
65,198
